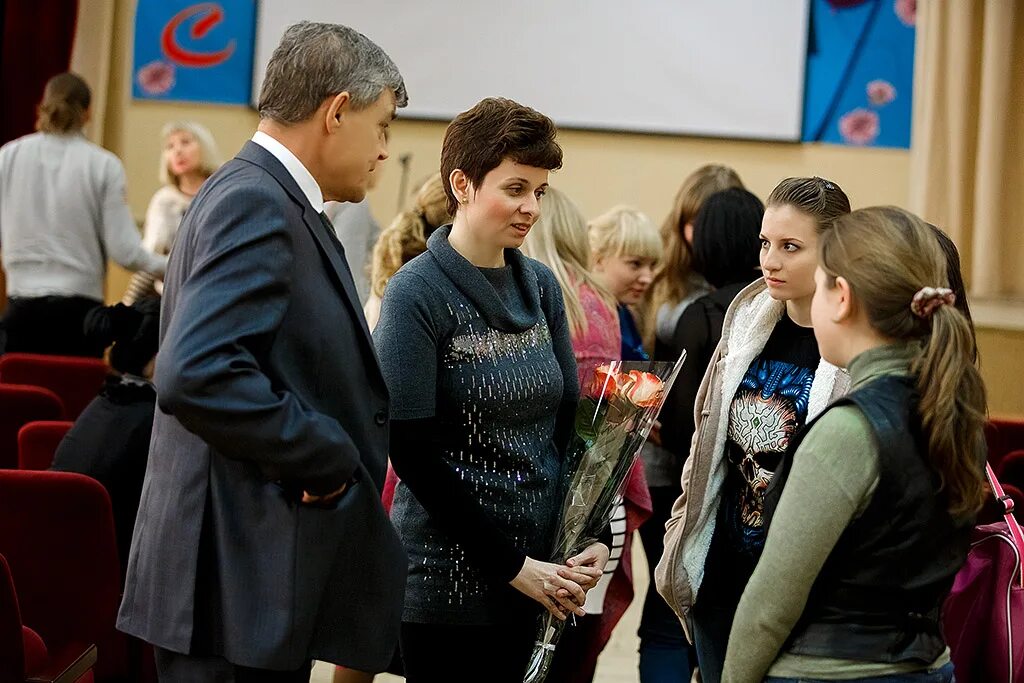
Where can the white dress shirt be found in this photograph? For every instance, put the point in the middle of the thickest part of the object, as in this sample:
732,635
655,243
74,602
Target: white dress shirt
303,178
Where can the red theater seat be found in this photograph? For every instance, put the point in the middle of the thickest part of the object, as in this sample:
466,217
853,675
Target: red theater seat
75,380
19,405
23,654
1011,469
59,543
38,441
1003,436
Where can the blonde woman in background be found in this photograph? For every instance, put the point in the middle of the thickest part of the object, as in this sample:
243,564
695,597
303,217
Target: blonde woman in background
559,240
405,239
626,249
189,157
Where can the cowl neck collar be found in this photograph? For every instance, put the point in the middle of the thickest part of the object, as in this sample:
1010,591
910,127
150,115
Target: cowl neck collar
478,289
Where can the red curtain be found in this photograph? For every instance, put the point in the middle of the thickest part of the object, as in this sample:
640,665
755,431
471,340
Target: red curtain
36,37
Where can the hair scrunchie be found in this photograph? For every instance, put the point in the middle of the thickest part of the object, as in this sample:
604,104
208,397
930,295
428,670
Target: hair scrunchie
928,299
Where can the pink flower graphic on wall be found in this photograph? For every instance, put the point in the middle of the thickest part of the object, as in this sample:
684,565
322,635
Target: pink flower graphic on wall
906,10
881,93
156,78
859,127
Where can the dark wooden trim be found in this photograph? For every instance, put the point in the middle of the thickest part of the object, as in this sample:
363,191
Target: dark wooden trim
71,673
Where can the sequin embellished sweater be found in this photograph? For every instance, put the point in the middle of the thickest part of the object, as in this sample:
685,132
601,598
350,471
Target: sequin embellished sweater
480,367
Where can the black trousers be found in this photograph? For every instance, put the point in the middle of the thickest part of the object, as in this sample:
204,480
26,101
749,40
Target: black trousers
49,325
173,667
658,623
498,653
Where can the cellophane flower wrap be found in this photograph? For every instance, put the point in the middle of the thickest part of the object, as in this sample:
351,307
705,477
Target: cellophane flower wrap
617,409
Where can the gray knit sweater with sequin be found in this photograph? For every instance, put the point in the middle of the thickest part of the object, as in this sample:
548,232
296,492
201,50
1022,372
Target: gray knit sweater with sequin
489,357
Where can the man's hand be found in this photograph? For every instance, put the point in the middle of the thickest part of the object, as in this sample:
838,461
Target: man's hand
323,501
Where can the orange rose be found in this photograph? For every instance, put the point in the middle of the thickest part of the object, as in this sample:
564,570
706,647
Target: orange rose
644,389
604,383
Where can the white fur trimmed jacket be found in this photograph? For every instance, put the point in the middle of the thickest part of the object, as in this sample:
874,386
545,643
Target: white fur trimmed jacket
748,324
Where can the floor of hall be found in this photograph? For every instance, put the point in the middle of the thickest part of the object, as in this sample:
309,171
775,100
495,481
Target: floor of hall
618,662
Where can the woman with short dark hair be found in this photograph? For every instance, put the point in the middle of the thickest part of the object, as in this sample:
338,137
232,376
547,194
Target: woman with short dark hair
476,350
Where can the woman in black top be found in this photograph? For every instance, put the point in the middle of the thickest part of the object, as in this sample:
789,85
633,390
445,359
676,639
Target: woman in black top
475,348
110,439
766,381
725,253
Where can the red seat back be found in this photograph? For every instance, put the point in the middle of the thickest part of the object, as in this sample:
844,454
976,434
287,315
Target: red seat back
20,405
38,441
1011,469
75,380
58,538
12,651
1003,436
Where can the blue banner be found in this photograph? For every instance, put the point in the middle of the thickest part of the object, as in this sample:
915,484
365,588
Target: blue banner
860,72
194,51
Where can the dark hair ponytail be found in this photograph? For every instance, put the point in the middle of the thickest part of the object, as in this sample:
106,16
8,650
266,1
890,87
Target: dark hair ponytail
65,101
725,237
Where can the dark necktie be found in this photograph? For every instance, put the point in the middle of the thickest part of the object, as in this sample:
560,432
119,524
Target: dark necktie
332,235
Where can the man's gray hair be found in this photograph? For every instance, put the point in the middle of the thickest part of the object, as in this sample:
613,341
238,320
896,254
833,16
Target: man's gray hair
315,61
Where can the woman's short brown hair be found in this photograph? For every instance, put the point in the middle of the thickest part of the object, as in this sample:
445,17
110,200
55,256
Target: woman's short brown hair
479,139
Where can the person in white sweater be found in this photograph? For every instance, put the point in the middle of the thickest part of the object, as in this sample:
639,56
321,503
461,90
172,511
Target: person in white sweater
62,215
189,157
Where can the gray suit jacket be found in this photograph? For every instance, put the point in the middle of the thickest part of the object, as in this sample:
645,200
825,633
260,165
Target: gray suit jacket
267,385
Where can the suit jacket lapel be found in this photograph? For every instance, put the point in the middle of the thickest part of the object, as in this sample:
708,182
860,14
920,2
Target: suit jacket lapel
340,272
331,249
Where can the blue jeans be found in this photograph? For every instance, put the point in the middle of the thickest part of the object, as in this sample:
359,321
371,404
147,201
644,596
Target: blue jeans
665,662
665,656
941,675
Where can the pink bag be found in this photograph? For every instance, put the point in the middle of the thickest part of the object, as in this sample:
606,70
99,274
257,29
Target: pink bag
983,617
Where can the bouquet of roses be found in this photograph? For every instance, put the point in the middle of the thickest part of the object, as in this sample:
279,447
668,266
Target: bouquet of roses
617,410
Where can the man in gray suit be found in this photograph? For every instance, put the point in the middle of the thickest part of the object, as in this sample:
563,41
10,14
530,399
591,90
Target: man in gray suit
261,543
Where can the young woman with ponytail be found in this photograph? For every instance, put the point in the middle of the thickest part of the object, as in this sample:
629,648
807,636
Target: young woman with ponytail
882,489
62,216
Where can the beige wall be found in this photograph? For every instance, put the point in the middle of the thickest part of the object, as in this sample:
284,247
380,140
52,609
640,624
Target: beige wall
600,170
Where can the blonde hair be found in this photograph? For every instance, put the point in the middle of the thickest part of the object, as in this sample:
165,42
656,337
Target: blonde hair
406,237
670,277
209,155
559,241
66,99
624,230
887,255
